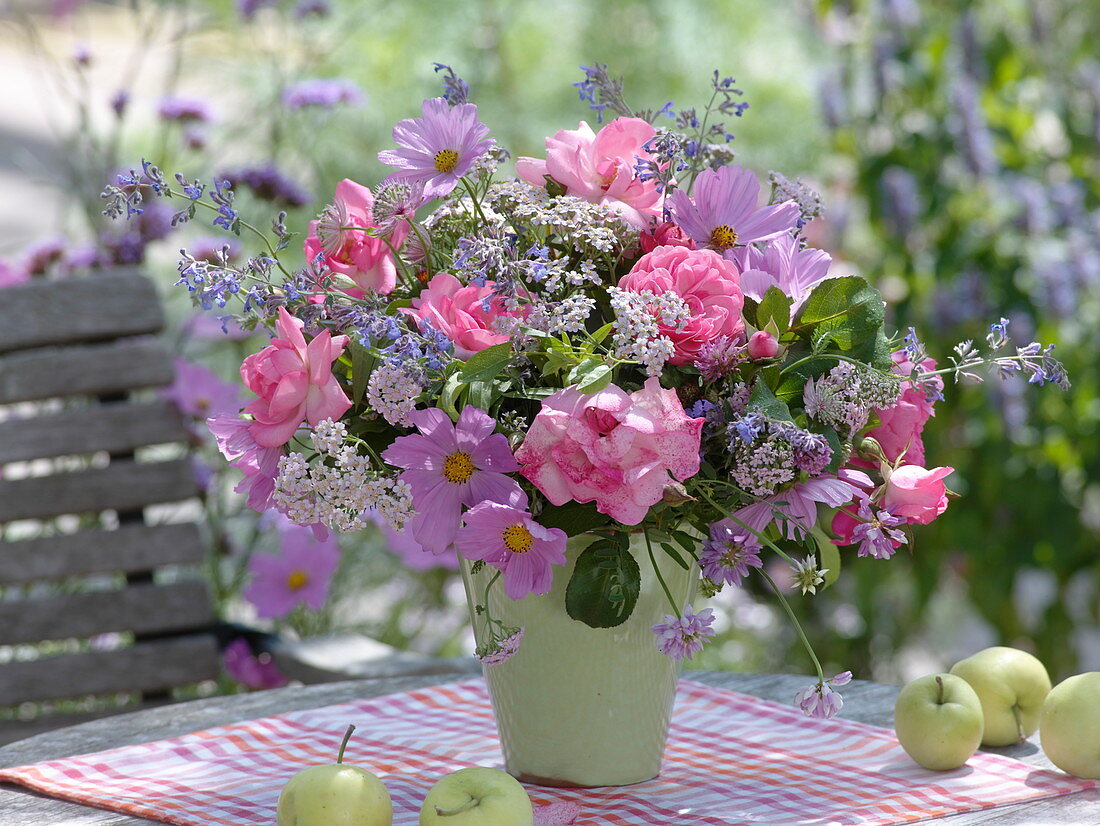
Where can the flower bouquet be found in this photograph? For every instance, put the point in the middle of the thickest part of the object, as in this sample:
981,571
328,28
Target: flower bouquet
594,381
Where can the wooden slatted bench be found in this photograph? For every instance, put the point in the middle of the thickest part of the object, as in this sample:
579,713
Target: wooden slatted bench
95,614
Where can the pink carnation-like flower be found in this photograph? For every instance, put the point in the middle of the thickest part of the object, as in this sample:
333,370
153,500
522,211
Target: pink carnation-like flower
511,541
364,258
916,493
708,284
260,465
616,449
294,381
600,167
900,427
459,313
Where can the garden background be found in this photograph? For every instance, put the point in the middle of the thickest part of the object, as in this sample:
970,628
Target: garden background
956,150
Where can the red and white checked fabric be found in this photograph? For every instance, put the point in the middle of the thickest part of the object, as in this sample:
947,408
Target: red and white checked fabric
731,759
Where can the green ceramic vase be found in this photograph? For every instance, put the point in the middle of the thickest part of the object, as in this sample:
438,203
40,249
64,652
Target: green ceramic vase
582,706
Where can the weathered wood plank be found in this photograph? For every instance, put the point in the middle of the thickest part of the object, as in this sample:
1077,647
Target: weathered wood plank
115,428
147,666
131,548
143,609
15,730
122,485
85,370
80,310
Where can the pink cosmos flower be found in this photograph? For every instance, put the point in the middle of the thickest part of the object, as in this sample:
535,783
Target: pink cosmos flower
10,276
294,381
459,313
200,393
365,259
782,264
901,426
257,672
449,466
515,544
300,574
916,493
438,148
259,464
614,448
708,284
796,506
600,167
724,212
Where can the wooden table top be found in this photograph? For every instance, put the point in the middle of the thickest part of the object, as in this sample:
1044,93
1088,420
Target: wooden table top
867,702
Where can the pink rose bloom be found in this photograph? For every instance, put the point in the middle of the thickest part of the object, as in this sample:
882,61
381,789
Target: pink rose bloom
710,286
294,381
457,312
363,258
611,447
917,494
600,167
900,427
666,234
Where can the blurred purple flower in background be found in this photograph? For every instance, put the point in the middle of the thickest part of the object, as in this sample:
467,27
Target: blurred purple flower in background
184,110
268,183
253,671
200,393
324,93
300,574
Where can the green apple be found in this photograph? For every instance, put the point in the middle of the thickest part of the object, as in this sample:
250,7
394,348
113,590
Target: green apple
477,796
1069,726
938,721
335,795
1012,685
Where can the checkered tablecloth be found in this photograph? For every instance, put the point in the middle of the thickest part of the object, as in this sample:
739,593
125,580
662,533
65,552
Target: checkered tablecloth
731,759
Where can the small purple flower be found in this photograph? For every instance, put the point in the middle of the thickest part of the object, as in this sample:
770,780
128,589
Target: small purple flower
248,8
497,651
877,534
720,358
729,553
449,466
821,700
119,101
312,8
184,110
439,147
323,93
253,671
681,638
725,211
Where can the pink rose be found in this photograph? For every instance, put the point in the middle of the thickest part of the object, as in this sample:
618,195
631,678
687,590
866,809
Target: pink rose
294,382
614,448
363,258
710,286
666,234
900,427
459,313
762,345
916,493
600,167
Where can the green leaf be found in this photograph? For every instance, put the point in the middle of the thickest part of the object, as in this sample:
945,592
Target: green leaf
453,388
604,587
361,363
675,554
764,400
603,332
749,312
830,559
596,380
847,311
480,394
775,306
487,364
573,518
838,455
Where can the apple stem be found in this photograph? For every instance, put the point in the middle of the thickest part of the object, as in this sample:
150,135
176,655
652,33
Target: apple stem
344,744
465,807
939,682
1019,723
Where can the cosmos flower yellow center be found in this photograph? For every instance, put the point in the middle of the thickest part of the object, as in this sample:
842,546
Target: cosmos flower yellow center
446,160
458,468
722,237
297,580
518,539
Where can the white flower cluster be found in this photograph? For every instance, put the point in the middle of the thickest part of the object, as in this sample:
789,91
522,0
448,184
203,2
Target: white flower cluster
587,226
567,315
336,490
392,391
638,320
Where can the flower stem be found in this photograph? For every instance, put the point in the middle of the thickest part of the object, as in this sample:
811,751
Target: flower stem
797,626
660,578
